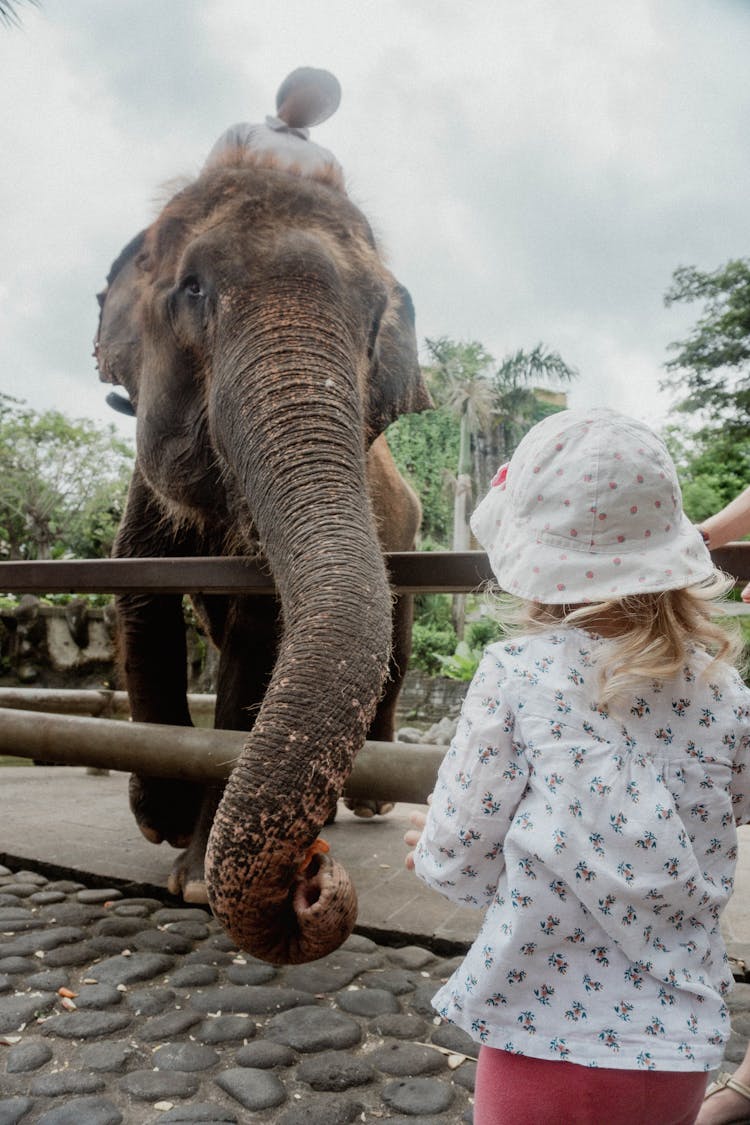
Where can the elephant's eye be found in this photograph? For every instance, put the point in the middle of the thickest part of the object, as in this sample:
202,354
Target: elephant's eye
191,286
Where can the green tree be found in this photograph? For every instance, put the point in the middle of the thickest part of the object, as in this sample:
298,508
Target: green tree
425,448
713,468
495,406
62,483
459,379
490,407
711,368
482,411
710,371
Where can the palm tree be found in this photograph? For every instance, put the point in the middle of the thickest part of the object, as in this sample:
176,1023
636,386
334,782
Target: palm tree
494,410
517,403
8,13
460,384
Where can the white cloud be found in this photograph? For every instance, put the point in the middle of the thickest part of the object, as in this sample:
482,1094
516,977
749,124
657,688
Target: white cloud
535,171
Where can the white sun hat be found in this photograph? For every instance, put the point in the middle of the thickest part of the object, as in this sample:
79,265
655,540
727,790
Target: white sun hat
588,509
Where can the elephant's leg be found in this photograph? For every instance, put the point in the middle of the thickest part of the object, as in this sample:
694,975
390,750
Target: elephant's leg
152,641
383,726
246,631
152,652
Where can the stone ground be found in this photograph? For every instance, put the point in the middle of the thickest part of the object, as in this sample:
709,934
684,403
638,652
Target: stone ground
118,1004
117,1008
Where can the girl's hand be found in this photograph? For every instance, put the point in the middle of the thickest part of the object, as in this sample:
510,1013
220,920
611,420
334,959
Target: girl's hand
745,595
411,838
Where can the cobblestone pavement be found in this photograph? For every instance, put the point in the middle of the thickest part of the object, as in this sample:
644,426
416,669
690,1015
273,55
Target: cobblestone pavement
118,1009
122,1009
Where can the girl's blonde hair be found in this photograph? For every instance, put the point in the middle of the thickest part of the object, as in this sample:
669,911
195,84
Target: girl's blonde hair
648,636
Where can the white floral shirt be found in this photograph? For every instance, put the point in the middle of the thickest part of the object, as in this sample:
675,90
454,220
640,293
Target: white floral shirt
603,847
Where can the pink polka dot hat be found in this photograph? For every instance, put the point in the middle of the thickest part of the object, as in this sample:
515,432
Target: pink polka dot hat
588,509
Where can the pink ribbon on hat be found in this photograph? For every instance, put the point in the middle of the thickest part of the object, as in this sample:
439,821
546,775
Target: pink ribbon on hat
498,481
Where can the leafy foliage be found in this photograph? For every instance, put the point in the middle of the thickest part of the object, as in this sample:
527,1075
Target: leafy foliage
482,411
713,468
464,661
460,381
433,634
483,632
430,644
711,372
63,484
425,448
713,363
460,385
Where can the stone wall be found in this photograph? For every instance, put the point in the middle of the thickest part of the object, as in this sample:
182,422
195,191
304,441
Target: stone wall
73,646
427,699
56,646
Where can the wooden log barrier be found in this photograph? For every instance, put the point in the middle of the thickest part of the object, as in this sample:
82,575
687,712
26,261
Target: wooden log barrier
102,703
383,771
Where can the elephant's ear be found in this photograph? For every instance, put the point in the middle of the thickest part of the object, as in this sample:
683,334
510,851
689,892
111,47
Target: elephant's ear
396,383
117,345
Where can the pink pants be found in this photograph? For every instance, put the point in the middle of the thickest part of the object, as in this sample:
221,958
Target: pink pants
519,1090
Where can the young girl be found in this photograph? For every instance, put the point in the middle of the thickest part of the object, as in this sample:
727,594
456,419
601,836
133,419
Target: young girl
590,795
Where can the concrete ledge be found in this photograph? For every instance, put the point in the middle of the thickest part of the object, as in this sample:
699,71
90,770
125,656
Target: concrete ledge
64,821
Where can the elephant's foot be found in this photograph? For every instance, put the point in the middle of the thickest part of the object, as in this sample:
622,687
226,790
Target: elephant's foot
187,878
368,809
165,810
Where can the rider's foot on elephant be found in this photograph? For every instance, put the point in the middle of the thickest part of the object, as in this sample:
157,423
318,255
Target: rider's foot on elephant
368,809
165,809
187,879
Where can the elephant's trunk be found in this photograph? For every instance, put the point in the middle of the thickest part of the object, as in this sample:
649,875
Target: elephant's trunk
303,472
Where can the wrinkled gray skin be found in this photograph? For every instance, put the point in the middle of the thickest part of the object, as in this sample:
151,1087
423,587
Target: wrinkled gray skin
265,347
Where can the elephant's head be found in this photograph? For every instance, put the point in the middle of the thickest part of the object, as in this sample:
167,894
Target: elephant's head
264,345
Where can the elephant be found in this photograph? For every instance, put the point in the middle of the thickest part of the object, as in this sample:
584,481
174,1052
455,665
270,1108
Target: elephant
265,347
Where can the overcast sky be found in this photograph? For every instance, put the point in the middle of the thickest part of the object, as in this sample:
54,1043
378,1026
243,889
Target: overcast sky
535,169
